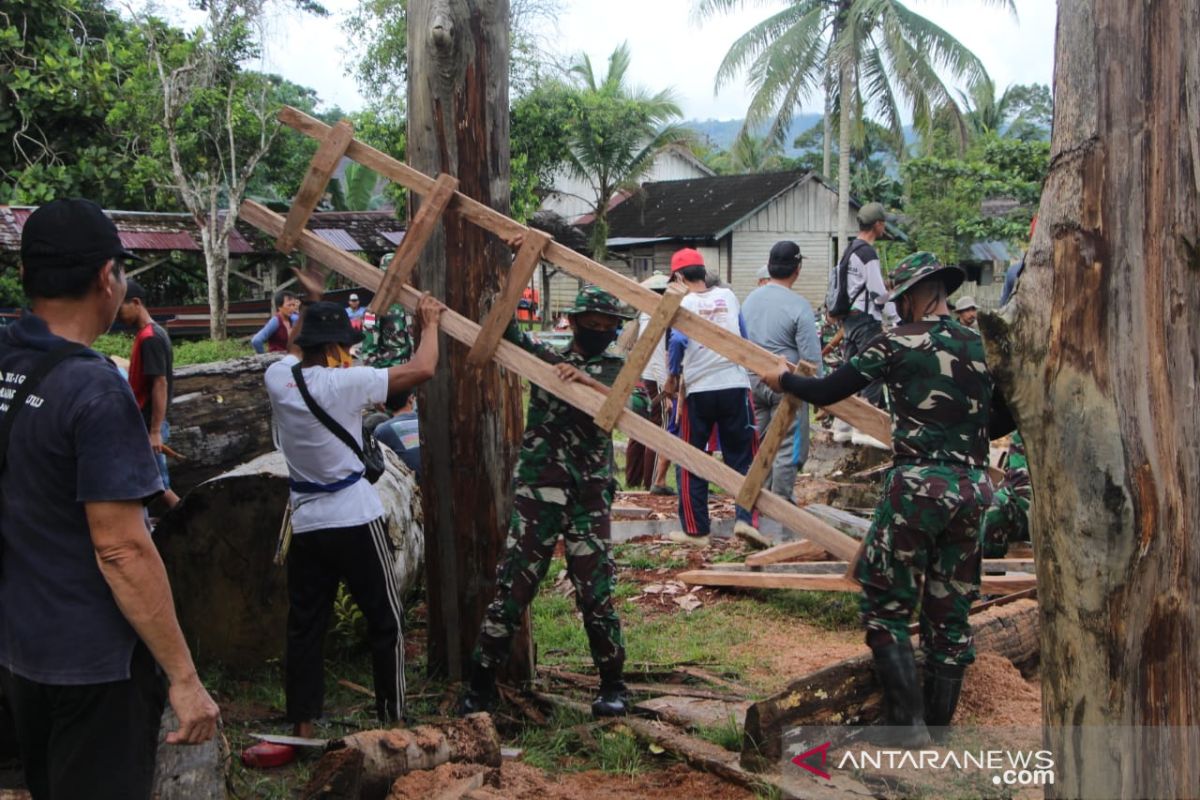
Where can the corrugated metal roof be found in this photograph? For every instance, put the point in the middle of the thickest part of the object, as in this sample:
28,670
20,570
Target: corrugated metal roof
154,240
989,251
338,238
395,237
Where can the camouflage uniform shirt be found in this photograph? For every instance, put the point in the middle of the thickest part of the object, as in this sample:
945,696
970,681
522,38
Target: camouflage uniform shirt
389,342
940,388
562,447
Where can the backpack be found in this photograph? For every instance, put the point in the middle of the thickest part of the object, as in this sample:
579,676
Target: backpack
837,298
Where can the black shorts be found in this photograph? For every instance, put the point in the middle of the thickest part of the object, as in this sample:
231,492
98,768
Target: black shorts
96,741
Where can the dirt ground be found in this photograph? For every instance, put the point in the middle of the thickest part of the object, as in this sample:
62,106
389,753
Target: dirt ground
518,781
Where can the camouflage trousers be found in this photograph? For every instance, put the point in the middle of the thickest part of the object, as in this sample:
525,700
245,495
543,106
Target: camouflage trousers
924,546
583,522
1005,521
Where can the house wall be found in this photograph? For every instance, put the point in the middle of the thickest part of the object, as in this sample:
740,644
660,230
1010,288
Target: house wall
805,215
573,197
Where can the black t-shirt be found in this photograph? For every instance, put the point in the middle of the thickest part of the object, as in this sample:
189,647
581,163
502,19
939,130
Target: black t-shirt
158,359
79,439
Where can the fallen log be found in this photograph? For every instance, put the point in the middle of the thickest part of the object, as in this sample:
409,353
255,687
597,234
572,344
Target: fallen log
189,772
817,582
220,417
218,546
390,754
847,693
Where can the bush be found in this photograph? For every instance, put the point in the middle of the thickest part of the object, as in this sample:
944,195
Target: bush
203,351
114,344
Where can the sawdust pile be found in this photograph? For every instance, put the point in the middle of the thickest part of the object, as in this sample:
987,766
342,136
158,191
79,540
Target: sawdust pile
995,693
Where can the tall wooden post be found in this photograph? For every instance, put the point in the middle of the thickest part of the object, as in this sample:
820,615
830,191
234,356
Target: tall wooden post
458,54
1099,354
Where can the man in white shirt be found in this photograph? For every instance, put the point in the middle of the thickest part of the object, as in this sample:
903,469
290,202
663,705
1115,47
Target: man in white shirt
339,530
717,395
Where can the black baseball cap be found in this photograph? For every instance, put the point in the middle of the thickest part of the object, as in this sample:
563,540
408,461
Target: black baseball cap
785,254
70,232
134,291
327,323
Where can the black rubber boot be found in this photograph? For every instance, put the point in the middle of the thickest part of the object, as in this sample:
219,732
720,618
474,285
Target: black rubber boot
613,700
943,683
481,692
903,701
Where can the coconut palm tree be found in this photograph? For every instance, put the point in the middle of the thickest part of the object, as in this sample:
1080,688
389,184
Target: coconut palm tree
876,54
616,133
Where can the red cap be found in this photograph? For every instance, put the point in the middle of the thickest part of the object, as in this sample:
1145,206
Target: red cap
687,257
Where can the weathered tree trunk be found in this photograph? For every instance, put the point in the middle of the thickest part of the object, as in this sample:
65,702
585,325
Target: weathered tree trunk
848,693
1099,355
846,98
827,126
220,418
389,754
470,420
216,264
219,546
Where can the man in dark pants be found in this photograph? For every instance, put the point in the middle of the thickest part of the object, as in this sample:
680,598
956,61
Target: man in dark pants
339,530
927,524
87,623
563,487
717,397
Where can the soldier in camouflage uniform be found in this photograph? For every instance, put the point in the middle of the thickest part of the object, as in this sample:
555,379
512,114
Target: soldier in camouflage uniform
1007,519
563,486
925,532
387,338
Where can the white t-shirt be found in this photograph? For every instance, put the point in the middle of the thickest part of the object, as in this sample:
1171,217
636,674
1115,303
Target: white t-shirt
656,368
705,370
313,453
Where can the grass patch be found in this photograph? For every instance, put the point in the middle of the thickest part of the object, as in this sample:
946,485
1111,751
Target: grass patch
728,735
833,611
572,742
201,351
634,556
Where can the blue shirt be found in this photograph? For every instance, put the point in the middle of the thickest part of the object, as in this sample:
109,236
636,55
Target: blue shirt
80,440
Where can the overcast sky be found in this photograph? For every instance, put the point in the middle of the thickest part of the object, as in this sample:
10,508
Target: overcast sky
668,49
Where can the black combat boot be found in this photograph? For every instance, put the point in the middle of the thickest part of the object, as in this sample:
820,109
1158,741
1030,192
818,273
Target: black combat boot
481,691
903,704
943,682
613,700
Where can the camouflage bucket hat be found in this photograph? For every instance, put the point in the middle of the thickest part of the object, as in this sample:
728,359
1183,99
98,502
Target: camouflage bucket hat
593,298
918,267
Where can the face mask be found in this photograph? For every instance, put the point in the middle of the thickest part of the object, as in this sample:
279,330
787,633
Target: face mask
593,343
342,359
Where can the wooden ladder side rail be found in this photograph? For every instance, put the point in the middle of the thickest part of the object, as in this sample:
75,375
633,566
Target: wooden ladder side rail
854,410
320,171
505,307
424,223
764,460
991,584
588,400
639,357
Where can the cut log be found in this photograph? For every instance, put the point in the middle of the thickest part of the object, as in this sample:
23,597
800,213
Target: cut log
389,754
218,547
189,772
337,776
220,418
847,693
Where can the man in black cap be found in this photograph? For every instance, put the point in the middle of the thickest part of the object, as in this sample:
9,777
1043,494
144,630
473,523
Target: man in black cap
339,528
85,606
150,375
782,321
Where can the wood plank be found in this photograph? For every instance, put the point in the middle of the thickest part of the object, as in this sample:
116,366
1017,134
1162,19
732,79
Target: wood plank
320,171
505,306
780,552
424,223
764,460
841,519
588,400
640,356
839,567
853,410
994,584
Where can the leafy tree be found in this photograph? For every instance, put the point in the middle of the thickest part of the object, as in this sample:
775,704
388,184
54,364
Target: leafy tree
62,65
1022,112
946,195
208,123
616,134
868,53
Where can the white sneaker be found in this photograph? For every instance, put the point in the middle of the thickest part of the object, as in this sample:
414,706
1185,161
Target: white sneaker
682,537
860,438
751,535
842,431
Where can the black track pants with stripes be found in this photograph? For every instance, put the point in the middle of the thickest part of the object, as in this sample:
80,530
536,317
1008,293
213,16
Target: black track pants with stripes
317,561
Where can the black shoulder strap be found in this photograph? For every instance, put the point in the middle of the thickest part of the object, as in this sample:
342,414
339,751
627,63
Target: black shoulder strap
44,365
326,420
845,269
